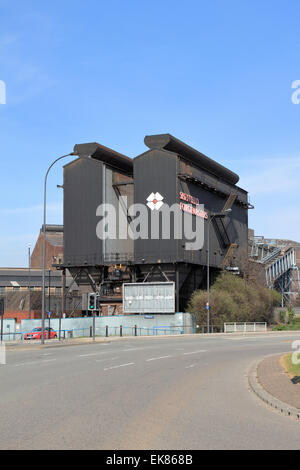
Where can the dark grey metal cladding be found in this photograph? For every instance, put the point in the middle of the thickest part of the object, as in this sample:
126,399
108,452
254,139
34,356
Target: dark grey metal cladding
210,182
165,172
106,155
168,142
213,193
87,184
155,171
236,223
118,248
82,195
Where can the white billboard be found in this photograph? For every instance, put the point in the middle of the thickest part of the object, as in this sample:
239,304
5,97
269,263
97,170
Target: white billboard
149,297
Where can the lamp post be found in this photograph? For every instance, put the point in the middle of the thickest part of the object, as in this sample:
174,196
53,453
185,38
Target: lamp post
83,151
212,216
29,282
44,245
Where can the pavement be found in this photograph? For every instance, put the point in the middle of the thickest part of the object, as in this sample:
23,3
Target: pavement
181,392
277,382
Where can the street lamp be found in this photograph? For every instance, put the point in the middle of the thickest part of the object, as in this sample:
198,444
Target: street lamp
44,245
211,216
29,282
82,151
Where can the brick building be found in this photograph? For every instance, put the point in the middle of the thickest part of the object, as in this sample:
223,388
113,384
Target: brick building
54,247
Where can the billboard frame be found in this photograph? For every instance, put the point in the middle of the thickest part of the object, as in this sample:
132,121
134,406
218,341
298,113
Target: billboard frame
146,310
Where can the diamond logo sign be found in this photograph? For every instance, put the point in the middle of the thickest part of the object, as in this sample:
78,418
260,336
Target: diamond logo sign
155,201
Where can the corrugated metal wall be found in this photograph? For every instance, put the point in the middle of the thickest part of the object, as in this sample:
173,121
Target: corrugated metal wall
83,192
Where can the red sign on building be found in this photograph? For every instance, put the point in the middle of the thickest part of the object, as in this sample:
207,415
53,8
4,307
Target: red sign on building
189,198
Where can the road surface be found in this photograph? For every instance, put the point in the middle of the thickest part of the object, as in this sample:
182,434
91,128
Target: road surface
185,392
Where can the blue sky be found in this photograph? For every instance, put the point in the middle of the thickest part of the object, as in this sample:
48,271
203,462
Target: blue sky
217,75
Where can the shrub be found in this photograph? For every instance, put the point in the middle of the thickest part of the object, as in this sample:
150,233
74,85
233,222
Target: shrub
232,299
291,315
282,316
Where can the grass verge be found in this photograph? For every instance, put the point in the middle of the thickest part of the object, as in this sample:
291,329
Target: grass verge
292,369
292,326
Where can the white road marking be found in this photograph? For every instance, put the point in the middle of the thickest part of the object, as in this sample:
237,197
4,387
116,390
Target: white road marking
192,365
122,365
157,358
195,352
93,354
107,359
88,355
140,348
34,362
255,338
131,349
243,338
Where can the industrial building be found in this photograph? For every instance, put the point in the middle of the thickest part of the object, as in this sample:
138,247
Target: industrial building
54,247
277,264
21,288
168,174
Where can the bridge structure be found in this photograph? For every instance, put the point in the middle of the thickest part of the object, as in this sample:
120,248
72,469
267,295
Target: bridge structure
280,268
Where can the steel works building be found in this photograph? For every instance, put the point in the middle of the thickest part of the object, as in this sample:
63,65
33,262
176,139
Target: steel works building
169,174
141,232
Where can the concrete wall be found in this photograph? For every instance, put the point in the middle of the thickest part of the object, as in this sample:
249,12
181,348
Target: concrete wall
147,325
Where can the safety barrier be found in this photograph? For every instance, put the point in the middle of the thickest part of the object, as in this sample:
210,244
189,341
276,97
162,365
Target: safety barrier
106,331
167,330
245,327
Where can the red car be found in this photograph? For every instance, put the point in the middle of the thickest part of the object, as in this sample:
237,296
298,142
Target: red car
36,333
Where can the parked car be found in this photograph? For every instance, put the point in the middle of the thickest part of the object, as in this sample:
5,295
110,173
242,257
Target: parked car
36,333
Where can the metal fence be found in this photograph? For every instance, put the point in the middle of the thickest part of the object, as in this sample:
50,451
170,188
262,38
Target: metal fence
127,331
105,331
246,327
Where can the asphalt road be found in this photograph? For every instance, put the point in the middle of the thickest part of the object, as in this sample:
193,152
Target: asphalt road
154,393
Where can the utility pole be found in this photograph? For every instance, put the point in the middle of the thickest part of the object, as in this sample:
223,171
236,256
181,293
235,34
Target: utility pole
63,297
29,282
49,292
